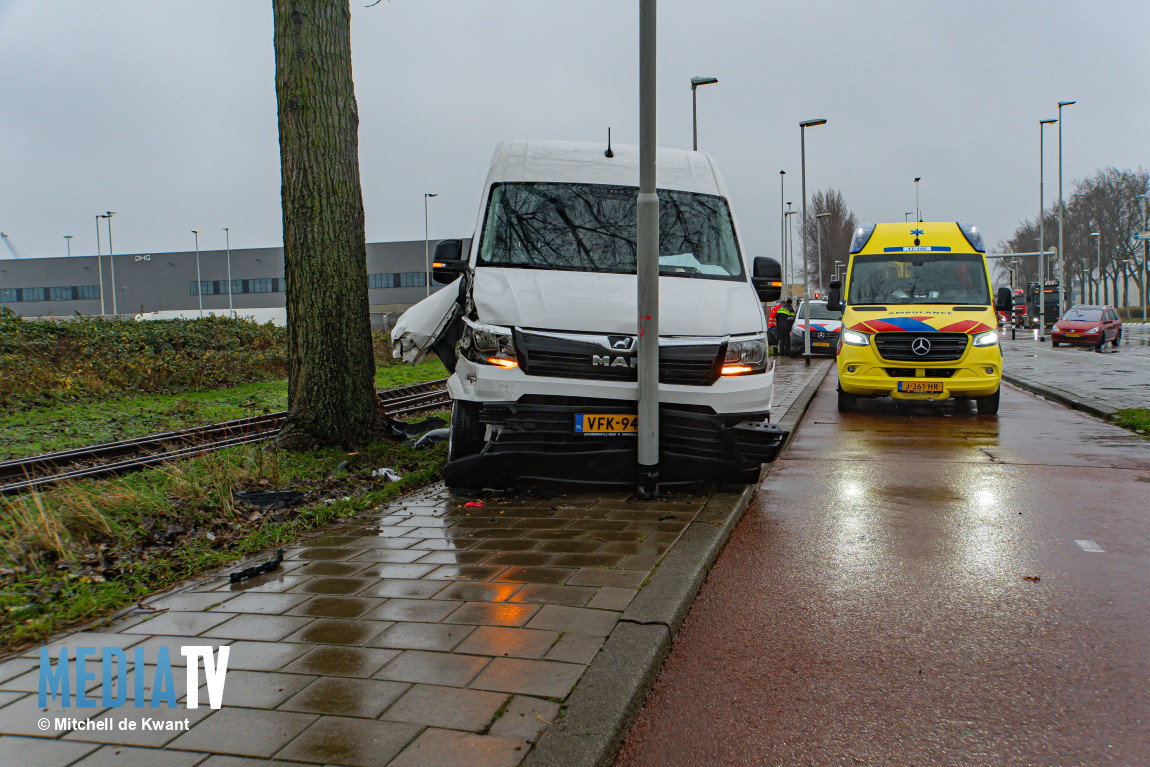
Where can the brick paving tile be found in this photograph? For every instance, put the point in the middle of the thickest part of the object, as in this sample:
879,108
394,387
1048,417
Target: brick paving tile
448,748
449,707
31,752
182,623
622,579
342,696
385,556
638,562
532,558
466,572
480,592
525,718
419,610
10,697
138,736
636,548
20,718
493,613
244,732
190,601
505,544
575,648
270,604
575,596
452,557
610,598
327,553
536,574
391,570
150,647
572,547
260,689
334,585
18,666
513,642
238,761
263,656
118,756
342,569
403,589
257,627
548,679
422,636
270,583
339,631
351,742
588,560
429,668
574,619
341,661
335,607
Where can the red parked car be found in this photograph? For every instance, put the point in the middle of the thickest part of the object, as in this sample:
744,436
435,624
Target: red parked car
1088,326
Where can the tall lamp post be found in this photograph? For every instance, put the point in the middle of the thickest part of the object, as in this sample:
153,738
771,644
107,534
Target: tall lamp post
199,284
100,267
111,258
917,212
1042,229
1145,202
647,263
837,265
68,239
1096,293
906,216
1061,254
782,223
819,232
695,83
806,259
426,241
228,245
789,269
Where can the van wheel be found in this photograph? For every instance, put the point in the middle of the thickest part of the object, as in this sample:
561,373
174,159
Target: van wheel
988,405
466,431
848,403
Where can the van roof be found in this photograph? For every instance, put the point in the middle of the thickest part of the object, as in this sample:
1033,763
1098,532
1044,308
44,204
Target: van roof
584,162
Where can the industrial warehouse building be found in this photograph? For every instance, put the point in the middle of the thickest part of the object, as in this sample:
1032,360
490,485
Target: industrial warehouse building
150,282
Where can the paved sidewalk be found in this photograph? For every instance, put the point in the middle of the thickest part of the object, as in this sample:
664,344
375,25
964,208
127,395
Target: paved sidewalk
434,631
1099,383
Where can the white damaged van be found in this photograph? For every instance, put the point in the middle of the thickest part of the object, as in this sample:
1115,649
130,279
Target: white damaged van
539,324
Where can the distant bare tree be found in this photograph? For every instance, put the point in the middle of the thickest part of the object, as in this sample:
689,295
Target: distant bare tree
837,230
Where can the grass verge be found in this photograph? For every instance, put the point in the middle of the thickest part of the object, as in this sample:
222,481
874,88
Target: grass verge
70,425
75,553
1134,418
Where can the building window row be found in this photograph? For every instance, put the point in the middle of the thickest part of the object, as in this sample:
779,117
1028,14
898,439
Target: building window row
220,287
69,293
397,280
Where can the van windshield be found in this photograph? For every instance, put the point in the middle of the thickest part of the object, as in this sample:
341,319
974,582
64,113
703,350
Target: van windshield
591,228
919,278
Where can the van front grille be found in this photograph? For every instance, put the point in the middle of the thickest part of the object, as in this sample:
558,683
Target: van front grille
564,357
938,347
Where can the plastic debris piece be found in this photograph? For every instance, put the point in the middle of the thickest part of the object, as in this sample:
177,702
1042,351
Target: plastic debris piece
388,474
342,465
254,570
431,438
474,503
268,500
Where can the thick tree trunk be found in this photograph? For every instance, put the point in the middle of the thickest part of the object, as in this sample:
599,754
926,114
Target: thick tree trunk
331,375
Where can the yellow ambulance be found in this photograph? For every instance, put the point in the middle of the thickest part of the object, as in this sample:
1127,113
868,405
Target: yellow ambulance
918,316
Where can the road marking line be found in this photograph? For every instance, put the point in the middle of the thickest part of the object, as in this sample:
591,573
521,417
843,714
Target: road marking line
1090,546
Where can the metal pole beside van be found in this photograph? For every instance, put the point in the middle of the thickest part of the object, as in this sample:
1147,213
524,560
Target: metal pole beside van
647,268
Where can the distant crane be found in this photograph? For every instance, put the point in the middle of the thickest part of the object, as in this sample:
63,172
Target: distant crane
11,246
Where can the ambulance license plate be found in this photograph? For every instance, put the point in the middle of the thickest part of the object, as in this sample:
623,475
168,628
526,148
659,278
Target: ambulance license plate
933,387
604,424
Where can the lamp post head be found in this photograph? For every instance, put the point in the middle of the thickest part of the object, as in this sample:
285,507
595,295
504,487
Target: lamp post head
821,215
917,179
1047,122
110,213
1065,103
697,81
428,194
1096,234
812,123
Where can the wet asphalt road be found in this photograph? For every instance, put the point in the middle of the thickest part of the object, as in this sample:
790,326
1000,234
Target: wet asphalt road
917,587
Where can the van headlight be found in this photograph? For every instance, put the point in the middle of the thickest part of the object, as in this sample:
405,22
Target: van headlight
745,356
855,338
989,338
488,344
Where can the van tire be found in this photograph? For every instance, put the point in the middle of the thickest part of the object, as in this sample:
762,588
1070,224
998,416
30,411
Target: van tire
466,431
848,403
988,405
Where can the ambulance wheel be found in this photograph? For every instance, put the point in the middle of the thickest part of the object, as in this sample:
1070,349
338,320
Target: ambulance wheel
848,403
988,405
466,430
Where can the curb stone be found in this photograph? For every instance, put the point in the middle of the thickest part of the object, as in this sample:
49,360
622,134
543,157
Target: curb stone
595,719
1061,396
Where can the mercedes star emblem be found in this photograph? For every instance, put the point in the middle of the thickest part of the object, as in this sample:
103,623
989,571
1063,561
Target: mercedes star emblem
920,346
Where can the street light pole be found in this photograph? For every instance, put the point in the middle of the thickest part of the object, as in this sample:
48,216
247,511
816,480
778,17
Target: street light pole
112,259
100,267
789,281
695,83
837,265
426,241
806,259
1094,287
1061,254
1042,230
199,284
782,223
68,239
647,268
917,213
819,257
1145,251
906,216
228,242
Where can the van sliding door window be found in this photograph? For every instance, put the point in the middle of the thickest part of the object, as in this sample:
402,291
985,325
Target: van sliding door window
591,228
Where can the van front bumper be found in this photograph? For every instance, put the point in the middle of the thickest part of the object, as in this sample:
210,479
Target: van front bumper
978,373
535,438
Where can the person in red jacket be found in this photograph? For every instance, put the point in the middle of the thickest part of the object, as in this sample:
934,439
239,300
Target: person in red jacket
772,326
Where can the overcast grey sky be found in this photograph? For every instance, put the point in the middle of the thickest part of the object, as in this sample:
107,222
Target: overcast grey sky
165,112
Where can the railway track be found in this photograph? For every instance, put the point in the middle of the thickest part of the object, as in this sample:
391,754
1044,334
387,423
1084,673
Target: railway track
23,474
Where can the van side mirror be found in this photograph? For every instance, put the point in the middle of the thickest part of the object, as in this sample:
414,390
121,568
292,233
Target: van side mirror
448,262
1005,300
834,297
767,277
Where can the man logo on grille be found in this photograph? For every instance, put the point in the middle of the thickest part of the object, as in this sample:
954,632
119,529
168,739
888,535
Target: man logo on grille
622,343
920,346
